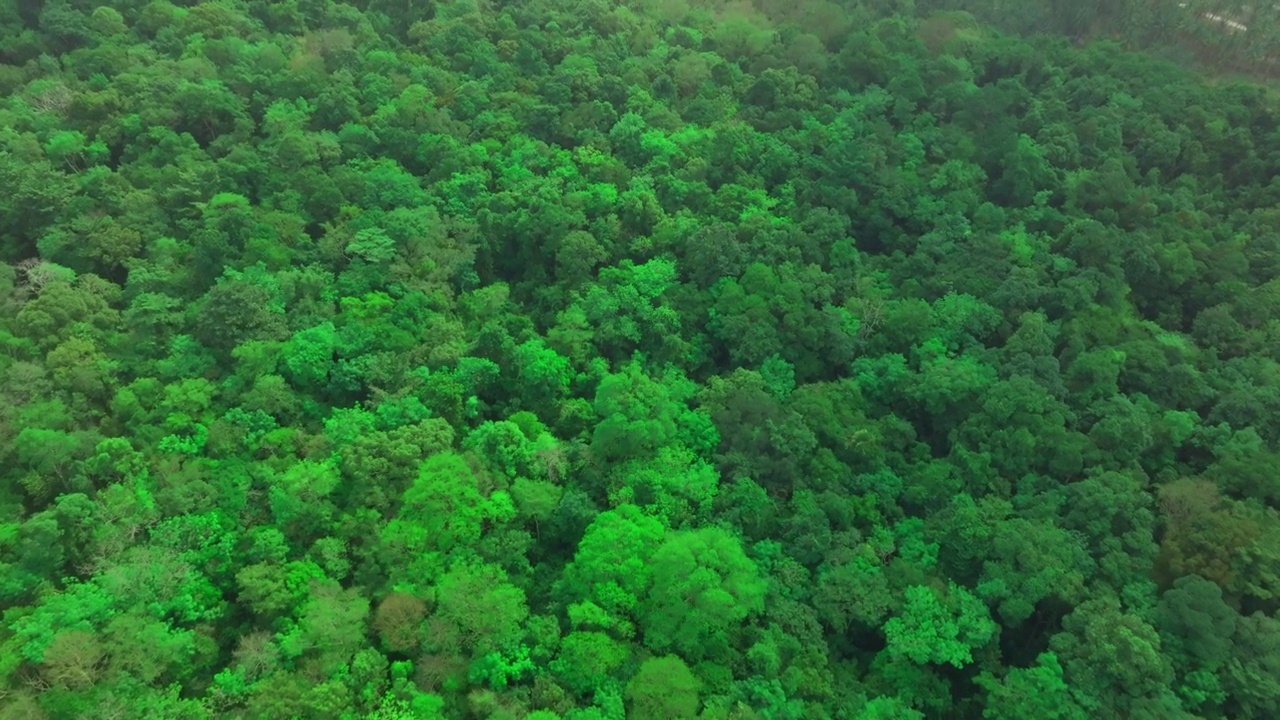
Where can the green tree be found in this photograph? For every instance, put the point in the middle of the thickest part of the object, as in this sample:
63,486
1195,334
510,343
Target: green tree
478,611
935,628
588,661
1030,562
443,513
1196,625
331,625
704,587
1111,658
1038,690
663,689
887,708
612,566
1248,676
637,415
310,357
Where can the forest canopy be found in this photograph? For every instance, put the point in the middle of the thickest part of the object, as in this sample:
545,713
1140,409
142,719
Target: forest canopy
654,359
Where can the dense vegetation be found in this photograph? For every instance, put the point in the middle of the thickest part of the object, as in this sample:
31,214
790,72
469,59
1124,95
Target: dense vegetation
589,360
1223,35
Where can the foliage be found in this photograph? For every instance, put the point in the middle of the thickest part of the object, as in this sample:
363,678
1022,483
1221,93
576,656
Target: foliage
587,360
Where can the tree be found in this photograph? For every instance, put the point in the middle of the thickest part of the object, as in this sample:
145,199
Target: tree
853,589
478,611
888,708
1038,691
1029,562
1195,625
74,660
1111,658
1116,516
300,501
663,689
543,374
628,311
271,590
310,357
637,415
1217,538
939,629
759,439
397,621
612,566
1248,677
236,310
589,661
704,586
675,485
443,512
536,499
1026,172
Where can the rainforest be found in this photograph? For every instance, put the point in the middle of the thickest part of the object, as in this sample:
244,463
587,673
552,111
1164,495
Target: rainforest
652,359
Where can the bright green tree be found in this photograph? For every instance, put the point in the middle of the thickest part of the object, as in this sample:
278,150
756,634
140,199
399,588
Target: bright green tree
704,587
663,689
939,628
